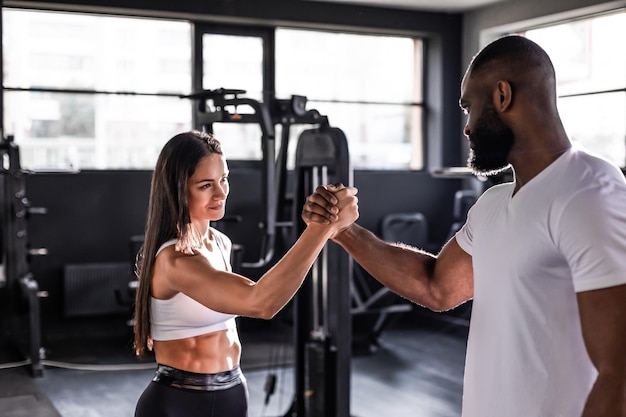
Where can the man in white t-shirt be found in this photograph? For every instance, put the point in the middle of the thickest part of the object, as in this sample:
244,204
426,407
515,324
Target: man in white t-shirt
543,257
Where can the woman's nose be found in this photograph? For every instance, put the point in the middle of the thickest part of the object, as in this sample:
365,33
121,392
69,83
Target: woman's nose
220,192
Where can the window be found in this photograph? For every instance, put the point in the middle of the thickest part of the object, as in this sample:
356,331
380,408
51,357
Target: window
235,62
103,92
590,65
369,86
94,92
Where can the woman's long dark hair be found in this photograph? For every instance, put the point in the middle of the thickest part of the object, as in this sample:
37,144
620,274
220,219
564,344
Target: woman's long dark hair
168,217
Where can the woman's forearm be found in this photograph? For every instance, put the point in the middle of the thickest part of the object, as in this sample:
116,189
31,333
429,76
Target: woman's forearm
278,285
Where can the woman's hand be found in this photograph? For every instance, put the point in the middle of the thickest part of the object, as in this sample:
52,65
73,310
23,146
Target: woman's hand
332,205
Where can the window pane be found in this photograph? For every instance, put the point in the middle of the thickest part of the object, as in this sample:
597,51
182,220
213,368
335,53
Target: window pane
378,137
233,62
588,58
80,131
103,53
585,54
348,67
239,140
70,50
598,122
362,71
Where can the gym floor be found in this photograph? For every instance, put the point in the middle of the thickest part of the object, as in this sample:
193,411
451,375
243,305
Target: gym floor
417,371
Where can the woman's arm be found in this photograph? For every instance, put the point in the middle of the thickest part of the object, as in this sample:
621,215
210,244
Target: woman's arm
231,293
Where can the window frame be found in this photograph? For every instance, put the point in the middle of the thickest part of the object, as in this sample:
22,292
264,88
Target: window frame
267,33
92,92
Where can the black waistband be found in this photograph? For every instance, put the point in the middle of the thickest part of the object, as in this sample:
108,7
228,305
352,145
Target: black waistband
195,381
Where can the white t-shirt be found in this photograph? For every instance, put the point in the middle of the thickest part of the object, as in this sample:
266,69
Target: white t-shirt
563,232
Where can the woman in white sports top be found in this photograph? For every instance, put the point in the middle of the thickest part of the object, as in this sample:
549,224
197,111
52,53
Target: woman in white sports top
188,297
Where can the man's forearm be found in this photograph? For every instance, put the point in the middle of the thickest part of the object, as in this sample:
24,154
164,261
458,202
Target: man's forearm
607,398
438,282
406,271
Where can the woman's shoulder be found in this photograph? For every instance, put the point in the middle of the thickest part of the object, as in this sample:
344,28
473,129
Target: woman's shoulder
171,260
176,267
169,266
165,245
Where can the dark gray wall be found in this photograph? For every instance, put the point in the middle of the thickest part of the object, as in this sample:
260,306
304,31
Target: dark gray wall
92,215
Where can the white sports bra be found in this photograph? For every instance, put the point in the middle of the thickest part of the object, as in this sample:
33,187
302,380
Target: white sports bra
181,316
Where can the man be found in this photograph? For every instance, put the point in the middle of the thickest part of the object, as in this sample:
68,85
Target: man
543,257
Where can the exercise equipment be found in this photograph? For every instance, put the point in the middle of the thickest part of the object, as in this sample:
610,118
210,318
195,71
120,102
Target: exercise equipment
18,284
322,314
323,323
331,297
223,106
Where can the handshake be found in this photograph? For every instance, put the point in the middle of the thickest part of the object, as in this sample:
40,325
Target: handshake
335,205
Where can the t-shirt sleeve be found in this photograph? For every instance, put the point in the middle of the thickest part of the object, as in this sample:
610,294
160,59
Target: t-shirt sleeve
592,236
464,235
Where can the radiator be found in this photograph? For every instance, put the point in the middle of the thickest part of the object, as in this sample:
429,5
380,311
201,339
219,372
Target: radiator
90,289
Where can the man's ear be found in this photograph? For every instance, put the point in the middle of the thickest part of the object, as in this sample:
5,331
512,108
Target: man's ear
502,96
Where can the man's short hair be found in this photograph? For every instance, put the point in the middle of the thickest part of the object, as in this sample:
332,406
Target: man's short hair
511,53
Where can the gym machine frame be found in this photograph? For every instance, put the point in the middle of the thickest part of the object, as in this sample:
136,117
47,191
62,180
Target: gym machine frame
21,288
16,281
323,303
220,106
323,333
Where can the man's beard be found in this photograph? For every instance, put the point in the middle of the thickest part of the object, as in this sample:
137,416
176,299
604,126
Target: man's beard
492,142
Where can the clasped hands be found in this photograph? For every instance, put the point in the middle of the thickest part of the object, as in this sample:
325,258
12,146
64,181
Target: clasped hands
332,203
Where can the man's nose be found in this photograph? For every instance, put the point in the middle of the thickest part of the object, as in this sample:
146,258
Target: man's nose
466,131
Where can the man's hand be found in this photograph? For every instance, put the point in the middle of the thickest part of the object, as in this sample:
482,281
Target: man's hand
324,204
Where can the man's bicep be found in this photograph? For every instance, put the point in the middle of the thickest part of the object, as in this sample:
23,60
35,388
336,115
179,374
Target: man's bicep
454,273
603,323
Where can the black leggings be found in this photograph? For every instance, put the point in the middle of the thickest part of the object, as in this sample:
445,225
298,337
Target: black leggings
161,399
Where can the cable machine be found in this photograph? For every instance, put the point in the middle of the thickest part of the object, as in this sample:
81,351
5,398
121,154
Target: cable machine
322,306
19,291
221,106
17,283
323,318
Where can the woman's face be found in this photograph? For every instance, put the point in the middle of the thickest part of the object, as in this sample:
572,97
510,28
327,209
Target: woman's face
208,188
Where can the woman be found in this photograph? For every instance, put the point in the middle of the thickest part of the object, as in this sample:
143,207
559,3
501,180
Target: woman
188,297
